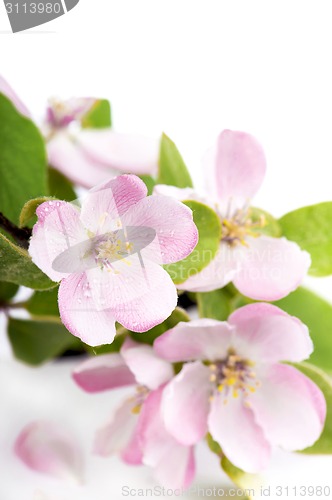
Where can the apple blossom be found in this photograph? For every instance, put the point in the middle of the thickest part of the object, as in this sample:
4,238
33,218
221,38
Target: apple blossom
234,385
90,156
261,267
108,257
136,431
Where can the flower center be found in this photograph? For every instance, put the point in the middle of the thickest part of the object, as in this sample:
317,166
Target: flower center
234,230
110,249
138,399
234,376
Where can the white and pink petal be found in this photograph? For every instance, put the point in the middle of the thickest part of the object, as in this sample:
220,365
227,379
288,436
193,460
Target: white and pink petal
104,372
266,334
221,270
236,168
173,463
185,404
289,407
172,221
104,205
57,230
204,339
149,370
50,449
272,268
139,294
234,428
119,436
126,153
79,314
65,155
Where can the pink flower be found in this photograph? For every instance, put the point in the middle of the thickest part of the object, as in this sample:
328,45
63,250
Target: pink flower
236,387
107,256
90,156
261,267
136,431
50,449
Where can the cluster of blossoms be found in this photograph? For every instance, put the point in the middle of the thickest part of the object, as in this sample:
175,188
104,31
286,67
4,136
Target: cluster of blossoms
227,379
232,384
205,376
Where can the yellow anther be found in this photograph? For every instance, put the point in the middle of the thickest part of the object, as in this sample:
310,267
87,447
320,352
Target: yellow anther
136,409
220,387
235,394
231,381
252,389
213,377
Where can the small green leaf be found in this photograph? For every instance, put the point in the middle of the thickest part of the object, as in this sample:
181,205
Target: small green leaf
215,304
316,313
99,116
149,337
172,169
28,211
149,182
7,291
311,228
249,483
22,161
324,444
270,226
17,267
209,229
59,186
44,303
214,446
37,341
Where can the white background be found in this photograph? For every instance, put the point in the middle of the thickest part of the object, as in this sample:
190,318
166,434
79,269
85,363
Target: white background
190,68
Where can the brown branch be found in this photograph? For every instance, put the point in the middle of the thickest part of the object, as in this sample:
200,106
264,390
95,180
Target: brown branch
20,235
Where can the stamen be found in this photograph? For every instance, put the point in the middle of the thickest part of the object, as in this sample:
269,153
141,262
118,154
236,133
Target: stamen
233,376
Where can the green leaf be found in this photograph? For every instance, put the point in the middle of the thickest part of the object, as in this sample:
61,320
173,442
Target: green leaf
149,182
149,337
22,161
37,341
270,226
247,482
316,313
28,211
209,229
215,304
59,186
311,228
99,116
17,267
172,169
7,291
44,303
324,443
